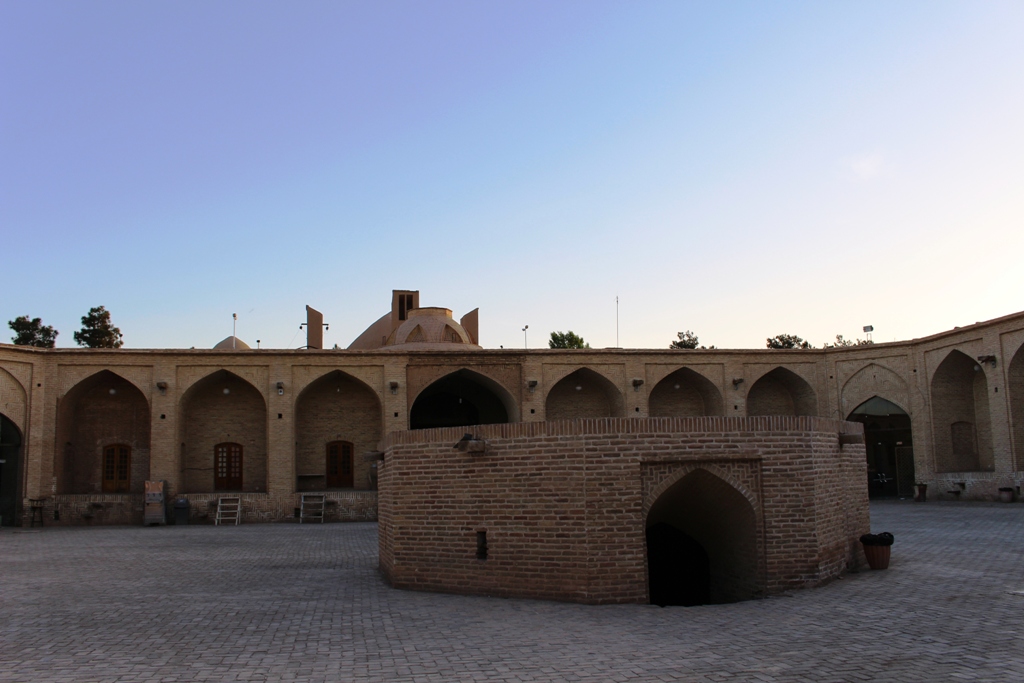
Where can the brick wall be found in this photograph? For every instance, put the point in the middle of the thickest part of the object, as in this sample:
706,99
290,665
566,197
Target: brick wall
596,397
565,505
336,408
685,394
211,417
103,410
957,391
781,392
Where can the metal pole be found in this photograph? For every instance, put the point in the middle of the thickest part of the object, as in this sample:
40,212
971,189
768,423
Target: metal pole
525,344
616,321
234,328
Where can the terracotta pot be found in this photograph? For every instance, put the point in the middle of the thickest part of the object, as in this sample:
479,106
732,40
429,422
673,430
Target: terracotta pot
878,556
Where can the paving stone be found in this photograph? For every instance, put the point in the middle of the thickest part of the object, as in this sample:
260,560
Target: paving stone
306,603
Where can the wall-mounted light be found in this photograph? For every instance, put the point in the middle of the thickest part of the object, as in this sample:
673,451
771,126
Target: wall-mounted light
637,383
987,359
162,386
736,382
226,391
531,384
393,386
280,388
113,391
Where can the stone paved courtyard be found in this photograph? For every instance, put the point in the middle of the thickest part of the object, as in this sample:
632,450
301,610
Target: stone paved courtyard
305,603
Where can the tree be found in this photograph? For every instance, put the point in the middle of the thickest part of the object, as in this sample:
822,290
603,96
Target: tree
97,331
788,341
687,340
841,341
567,340
32,332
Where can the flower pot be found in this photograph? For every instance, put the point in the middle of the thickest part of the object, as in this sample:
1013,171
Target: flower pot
878,556
1006,495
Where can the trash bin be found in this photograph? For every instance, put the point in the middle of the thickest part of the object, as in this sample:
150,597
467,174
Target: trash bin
181,511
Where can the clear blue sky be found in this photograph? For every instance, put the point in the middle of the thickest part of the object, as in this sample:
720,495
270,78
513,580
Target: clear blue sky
737,169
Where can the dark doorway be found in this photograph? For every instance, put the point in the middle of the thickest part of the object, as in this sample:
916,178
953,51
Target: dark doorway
227,467
460,399
702,543
117,468
10,472
678,568
888,440
339,465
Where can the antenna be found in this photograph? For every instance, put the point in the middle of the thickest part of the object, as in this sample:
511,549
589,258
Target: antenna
616,321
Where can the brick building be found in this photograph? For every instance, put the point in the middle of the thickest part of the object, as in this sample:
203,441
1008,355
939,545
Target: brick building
82,429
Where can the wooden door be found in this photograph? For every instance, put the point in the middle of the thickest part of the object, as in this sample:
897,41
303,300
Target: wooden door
227,467
117,460
339,465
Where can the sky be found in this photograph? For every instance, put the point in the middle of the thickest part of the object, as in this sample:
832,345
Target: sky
739,169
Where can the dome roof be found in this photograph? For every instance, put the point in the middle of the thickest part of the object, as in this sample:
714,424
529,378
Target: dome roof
430,326
232,344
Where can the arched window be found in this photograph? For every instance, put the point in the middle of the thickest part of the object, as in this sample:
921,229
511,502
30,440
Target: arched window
339,465
227,467
117,468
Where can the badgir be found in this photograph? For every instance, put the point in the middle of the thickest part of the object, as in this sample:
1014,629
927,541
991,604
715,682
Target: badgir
590,475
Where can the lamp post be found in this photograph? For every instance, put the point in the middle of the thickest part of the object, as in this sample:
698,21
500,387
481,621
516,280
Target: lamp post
525,344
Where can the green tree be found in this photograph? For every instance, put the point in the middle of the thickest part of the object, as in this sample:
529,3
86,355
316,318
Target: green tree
687,340
32,332
841,342
788,341
567,340
97,331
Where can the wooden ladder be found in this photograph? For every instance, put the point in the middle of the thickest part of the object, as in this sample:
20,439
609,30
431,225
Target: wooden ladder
312,507
229,510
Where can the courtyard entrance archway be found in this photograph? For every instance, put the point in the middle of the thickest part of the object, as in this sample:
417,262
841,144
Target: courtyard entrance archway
10,471
701,543
462,399
888,439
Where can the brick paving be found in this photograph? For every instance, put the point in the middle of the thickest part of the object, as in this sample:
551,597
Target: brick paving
306,603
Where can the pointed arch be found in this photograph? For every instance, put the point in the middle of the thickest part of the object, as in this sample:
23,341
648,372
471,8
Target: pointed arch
1015,389
334,408
99,411
217,409
874,380
702,540
13,399
685,393
583,393
889,447
781,392
961,422
462,398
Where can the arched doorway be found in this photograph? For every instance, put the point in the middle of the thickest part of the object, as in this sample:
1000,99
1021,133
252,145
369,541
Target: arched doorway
889,443
701,543
335,409
10,471
781,392
685,393
583,394
103,428
223,436
1015,387
463,398
960,416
